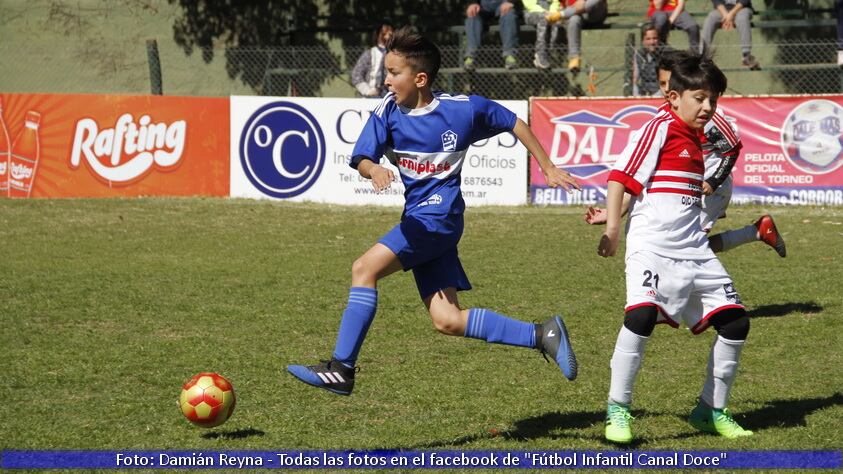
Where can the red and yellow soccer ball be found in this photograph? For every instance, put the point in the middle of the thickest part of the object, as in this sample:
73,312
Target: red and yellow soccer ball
207,399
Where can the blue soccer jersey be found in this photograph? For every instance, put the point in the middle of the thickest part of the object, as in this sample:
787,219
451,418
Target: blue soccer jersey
428,145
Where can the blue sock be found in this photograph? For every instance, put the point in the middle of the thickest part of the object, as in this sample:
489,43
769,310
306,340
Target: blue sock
356,319
496,328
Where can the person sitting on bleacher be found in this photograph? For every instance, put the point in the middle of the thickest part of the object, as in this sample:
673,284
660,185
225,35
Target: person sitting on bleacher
476,14
543,14
580,13
731,14
667,14
368,74
645,62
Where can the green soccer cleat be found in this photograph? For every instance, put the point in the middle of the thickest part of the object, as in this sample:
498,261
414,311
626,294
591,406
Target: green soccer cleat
712,420
618,419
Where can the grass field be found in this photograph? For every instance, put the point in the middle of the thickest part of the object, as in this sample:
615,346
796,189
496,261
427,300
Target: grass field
108,306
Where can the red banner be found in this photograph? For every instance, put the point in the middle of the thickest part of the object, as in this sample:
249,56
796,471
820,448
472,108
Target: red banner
792,153
110,145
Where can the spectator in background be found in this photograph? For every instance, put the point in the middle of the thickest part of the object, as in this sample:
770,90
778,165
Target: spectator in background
543,14
368,74
667,14
731,14
645,62
839,4
485,10
580,13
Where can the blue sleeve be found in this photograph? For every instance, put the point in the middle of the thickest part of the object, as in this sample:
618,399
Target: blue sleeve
489,118
373,139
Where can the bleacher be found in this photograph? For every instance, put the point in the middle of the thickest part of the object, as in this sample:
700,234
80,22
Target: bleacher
784,41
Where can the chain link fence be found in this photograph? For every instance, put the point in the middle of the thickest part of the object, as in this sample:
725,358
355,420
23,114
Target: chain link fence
786,68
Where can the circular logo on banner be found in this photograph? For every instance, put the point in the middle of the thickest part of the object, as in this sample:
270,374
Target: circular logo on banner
812,137
282,149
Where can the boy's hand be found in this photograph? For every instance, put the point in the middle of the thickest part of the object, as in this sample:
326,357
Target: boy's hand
381,177
608,243
707,189
596,215
556,177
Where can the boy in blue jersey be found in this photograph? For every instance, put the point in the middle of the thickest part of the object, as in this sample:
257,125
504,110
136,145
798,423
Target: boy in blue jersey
426,135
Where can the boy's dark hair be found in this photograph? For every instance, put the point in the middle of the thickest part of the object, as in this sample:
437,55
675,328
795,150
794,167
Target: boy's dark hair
377,32
669,56
418,51
647,27
697,71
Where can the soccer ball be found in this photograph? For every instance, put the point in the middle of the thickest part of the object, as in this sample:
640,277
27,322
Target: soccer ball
812,136
207,399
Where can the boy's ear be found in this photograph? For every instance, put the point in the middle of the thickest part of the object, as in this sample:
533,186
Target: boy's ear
673,97
422,79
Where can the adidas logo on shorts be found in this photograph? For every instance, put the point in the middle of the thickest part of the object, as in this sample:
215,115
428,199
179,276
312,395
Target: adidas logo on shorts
684,154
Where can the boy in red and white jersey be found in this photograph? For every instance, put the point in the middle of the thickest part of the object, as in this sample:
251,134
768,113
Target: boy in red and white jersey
721,145
672,274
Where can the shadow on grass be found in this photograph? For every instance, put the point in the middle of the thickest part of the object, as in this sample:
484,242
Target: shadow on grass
546,425
778,310
787,413
236,434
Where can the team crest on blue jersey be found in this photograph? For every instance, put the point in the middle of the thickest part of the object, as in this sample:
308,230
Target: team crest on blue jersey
282,149
449,141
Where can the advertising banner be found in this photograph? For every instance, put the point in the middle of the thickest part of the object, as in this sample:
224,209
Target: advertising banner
55,146
792,146
298,149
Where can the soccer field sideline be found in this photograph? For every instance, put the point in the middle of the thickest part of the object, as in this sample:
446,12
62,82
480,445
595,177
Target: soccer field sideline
110,305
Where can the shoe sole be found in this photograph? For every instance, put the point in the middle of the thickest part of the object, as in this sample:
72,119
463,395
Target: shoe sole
572,358
618,440
332,390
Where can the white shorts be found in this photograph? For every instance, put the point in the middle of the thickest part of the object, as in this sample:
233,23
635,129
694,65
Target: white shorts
683,290
714,206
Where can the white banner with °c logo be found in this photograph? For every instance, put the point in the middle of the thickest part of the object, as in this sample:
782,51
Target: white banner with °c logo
298,149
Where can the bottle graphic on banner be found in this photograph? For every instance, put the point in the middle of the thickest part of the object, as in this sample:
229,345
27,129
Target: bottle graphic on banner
23,162
4,155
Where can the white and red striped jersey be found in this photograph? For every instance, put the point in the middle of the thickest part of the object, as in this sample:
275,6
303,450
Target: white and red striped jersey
663,167
720,139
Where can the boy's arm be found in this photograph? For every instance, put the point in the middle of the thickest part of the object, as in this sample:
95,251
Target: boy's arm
381,176
597,215
553,175
680,5
614,201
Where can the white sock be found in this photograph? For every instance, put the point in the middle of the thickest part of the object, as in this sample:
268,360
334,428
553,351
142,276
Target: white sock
733,238
720,374
629,352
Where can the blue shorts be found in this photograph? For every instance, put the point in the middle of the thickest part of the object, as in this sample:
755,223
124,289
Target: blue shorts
429,249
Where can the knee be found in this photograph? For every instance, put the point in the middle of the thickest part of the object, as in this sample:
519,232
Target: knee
362,270
732,324
448,322
641,320
575,20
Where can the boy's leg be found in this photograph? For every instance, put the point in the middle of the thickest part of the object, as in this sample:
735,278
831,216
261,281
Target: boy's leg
538,19
710,26
337,375
711,414
764,229
626,361
687,23
508,24
661,23
487,325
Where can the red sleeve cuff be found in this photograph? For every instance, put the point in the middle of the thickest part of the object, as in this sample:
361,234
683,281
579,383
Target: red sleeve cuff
632,186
